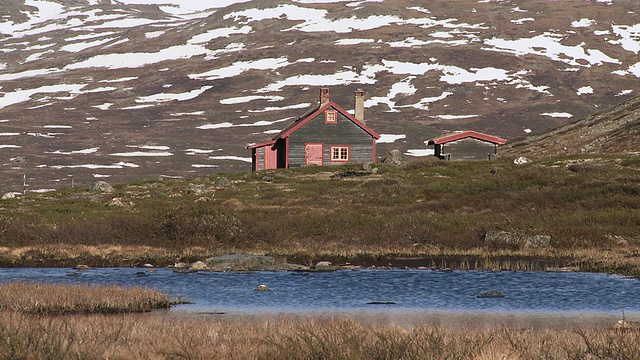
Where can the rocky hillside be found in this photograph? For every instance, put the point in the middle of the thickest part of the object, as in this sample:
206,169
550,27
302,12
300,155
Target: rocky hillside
128,89
616,130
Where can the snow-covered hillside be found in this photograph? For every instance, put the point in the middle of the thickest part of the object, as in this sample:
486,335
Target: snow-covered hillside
128,89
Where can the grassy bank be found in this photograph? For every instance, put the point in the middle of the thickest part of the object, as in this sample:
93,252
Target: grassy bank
435,210
55,299
167,337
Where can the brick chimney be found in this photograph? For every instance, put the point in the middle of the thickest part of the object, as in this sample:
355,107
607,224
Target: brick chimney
324,96
359,105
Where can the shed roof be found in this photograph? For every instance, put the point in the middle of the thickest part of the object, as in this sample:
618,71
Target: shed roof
467,134
315,111
262,144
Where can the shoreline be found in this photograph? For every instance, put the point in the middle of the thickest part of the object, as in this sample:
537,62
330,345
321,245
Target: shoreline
623,261
411,318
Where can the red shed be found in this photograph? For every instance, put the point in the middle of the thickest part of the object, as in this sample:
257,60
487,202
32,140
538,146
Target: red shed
467,145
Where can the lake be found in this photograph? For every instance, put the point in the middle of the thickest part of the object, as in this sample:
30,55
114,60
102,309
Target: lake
349,291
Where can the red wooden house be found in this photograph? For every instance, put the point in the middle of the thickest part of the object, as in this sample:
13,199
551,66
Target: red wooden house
467,145
324,135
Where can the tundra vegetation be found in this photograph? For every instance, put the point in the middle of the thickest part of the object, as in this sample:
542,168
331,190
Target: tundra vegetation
437,211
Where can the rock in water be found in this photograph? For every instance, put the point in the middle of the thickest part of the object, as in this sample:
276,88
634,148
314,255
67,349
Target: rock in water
323,266
491,294
197,266
262,287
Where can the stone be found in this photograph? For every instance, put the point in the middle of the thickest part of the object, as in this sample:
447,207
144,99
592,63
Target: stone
120,203
521,160
147,265
239,262
261,287
198,265
563,269
180,265
223,181
323,266
10,195
101,186
623,325
395,157
491,294
516,239
198,189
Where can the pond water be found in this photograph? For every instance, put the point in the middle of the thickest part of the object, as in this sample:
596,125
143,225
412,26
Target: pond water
377,290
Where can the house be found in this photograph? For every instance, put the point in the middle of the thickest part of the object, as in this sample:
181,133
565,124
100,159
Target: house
467,145
325,135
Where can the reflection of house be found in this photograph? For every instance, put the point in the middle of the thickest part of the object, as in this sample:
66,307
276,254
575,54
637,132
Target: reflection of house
468,145
324,135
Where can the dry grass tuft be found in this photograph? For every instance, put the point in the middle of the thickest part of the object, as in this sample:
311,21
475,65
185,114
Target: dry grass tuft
153,336
56,299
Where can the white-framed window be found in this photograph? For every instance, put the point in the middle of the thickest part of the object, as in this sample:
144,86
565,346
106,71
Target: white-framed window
340,153
330,117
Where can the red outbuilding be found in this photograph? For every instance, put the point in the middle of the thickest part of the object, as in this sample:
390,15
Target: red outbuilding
467,145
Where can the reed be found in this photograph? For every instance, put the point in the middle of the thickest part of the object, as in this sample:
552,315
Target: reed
156,336
59,299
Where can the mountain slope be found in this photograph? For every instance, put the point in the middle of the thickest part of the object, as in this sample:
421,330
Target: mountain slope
616,130
129,89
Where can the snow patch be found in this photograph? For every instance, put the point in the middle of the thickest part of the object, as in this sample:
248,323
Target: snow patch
558,115
390,138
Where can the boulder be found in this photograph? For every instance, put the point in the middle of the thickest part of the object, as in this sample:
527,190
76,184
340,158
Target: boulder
198,189
240,262
323,266
222,181
118,202
198,265
516,239
10,195
261,287
101,186
491,294
395,157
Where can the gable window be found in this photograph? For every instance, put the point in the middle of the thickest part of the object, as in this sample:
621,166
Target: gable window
340,153
330,117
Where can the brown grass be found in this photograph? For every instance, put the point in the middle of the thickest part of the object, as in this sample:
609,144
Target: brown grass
57,299
157,336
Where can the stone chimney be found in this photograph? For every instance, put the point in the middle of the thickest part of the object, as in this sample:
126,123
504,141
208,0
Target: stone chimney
324,96
359,105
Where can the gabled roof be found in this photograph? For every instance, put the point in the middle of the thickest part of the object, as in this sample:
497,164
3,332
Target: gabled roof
467,134
317,110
